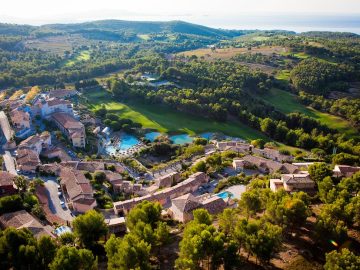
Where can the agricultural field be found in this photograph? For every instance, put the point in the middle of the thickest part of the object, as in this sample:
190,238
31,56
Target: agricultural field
164,119
287,103
228,53
56,44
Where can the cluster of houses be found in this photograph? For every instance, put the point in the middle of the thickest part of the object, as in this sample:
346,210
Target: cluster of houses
52,106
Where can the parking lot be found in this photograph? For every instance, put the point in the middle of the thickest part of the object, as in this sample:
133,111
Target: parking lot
54,200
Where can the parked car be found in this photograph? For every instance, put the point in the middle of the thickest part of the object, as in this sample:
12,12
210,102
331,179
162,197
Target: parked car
62,203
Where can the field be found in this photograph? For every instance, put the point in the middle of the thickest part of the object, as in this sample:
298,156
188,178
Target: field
228,53
82,56
287,103
165,119
57,44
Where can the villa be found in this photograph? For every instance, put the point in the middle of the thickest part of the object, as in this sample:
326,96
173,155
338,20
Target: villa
27,160
61,93
168,180
37,142
55,105
345,170
7,186
22,219
164,196
77,190
293,183
182,207
263,165
273,154
73,129
20,119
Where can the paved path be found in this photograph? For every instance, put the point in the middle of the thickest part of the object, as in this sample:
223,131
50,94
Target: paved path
9,163
54,201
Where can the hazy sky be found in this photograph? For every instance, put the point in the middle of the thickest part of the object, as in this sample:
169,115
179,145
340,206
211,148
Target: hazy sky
49,11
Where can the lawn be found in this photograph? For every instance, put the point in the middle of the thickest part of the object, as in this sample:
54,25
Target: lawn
82,56
164,119
287,103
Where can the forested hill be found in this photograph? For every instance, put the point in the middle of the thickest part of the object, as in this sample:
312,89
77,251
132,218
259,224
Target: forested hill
121,27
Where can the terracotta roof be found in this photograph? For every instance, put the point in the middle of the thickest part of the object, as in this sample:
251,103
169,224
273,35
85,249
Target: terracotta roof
22,219
77,185
19,116
67,121
56,101
61,93
344,169
186,203
31,140
296,178
214,204
27,157
6,179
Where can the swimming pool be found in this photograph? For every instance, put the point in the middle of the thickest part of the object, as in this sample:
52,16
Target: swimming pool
181,139
225,195
151,136
127,141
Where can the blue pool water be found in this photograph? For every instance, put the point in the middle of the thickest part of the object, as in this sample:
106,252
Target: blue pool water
224,195
151,136
207,135
127,141
181,139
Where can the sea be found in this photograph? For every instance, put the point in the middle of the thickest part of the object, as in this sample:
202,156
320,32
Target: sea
296,23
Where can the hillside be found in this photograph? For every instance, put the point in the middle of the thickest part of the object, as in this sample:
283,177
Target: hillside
119,27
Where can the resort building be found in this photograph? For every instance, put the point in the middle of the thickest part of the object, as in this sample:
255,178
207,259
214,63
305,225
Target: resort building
182,207
7,186
263,165
168,180
164,196
55,105
37,142
27,160
293,183
61,93
78,191
20,119
345,170
73,129
272,154
22,219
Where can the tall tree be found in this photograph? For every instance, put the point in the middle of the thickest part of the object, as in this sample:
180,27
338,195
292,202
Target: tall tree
89,228
70,258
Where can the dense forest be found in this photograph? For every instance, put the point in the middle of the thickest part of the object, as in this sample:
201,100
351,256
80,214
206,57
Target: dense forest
319,64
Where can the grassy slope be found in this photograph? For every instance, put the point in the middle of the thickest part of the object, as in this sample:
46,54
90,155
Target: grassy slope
164,119
287,103
83,56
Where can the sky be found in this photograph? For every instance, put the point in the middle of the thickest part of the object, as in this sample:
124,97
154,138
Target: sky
216,13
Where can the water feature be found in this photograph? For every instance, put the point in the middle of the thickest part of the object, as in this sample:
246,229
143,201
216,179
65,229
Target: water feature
126,141
181,139
225,195
207,135
151,136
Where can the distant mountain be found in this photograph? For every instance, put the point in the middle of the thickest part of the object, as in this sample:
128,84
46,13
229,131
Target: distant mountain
116,28
146,27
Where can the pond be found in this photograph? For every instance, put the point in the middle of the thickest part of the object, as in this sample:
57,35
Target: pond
151,136
181,139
